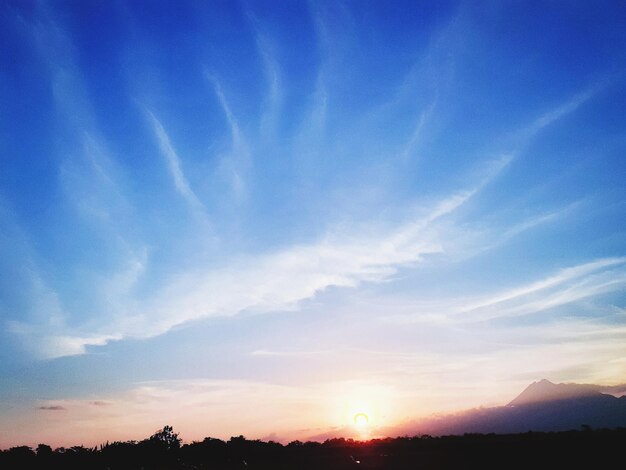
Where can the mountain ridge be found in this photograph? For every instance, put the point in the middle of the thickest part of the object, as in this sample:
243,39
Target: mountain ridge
542,406
545,391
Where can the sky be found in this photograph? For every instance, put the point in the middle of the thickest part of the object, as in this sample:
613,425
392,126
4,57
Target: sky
268,217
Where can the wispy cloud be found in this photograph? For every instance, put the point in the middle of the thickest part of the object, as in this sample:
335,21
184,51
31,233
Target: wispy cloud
562,110
290,275
238,161
415,136
275,281
271,69
272,353
236,135
92,194
42,312
285,278
174,164
52,408
101,403
280,280
46,339
219,408
328,47
567,286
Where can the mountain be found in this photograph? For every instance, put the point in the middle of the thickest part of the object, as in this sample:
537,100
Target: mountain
546,391
542,406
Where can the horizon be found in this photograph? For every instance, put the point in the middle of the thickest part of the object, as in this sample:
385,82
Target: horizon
163,450
412,430
285,220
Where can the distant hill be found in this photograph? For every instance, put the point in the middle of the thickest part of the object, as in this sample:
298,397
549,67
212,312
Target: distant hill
545,391
542,406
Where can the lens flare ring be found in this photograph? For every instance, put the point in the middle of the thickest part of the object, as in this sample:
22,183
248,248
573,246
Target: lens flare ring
361,419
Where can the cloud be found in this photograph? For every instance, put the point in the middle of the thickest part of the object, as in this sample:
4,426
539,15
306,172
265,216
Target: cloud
276,281
285,277
52,408
204,407
238,161
280,280
617,390
88,178
415,136
89,181
568,286
42,337
68,345
272,353
330,44
271,282
271,70
174,164
236,135
562,110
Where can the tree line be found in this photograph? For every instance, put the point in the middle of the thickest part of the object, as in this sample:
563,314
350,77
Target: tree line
164,450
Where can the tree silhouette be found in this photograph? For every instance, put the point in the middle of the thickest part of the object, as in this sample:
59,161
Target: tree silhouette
163,451
44,450
166,438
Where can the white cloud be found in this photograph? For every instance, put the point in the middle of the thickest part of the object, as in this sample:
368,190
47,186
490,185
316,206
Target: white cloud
275,281
200,408
281,280
270,282
416,135
271,69
236,135
272,353
238,161
568,286
174,164
561,111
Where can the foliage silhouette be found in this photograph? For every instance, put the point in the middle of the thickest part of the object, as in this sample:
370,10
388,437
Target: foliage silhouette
166,439
163,450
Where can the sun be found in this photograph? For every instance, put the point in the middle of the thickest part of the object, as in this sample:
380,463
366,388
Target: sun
361,420
362,416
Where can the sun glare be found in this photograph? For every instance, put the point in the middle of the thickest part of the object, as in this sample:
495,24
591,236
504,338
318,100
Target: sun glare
360,417
361,420
363,410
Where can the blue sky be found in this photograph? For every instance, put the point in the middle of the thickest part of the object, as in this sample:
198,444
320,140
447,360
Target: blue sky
281,214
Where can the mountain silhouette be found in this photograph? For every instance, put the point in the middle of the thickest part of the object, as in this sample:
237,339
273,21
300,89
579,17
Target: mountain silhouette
542,406
545,391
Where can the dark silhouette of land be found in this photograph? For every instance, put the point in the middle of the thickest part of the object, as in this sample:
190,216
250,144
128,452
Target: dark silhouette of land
572,450
542,406
547,426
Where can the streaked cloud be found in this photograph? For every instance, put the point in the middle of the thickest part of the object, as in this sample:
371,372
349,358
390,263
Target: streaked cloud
433,205
271,69
276,281
567,286
563,110
174,164
100,403
238,161
218,408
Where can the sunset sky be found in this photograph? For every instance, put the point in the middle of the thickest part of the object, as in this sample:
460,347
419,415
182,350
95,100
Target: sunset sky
268,217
